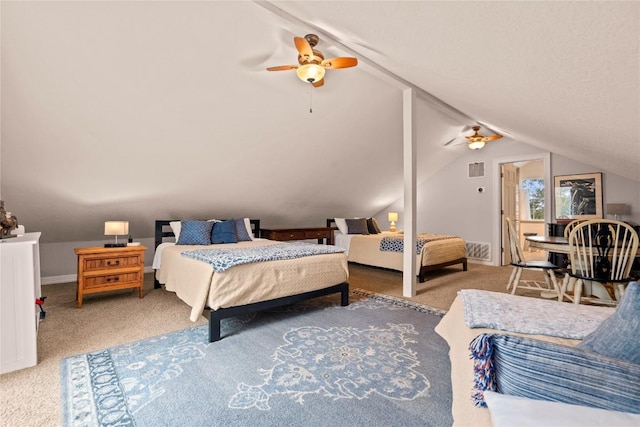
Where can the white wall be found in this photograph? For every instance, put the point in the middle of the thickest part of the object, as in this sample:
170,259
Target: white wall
449,203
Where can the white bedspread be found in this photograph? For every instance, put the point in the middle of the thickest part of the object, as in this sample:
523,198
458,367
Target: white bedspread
365,249
195,283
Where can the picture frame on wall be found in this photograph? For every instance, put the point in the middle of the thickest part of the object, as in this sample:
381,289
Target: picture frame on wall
578,196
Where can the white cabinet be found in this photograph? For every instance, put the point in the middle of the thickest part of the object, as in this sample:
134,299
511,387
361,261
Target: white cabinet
19,288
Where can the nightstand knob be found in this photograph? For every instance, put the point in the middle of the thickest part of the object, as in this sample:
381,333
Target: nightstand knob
116,262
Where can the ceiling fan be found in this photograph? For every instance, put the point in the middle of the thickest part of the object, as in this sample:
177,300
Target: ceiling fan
312,63
475,141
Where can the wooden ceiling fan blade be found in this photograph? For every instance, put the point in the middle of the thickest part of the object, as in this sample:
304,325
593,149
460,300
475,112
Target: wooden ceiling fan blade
318,83
282,68
303,46
491,138
449,141
343,62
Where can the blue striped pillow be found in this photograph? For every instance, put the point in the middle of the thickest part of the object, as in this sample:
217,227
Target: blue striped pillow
543,370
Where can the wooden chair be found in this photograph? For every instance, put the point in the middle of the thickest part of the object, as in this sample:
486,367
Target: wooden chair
601,254
570,226
519,264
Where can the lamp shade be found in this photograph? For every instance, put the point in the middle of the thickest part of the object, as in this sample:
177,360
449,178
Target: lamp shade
618,209
116,228
393,216
310,73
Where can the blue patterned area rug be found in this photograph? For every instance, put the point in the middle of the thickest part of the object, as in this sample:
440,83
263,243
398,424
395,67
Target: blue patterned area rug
377,362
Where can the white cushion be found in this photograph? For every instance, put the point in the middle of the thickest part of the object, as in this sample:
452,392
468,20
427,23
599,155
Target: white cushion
341,223
176,226
247,224
508,411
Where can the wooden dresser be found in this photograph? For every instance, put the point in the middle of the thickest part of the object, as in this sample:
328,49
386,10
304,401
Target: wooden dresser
108,269
304,233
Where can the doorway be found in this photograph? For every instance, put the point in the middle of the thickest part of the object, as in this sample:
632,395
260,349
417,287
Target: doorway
523,194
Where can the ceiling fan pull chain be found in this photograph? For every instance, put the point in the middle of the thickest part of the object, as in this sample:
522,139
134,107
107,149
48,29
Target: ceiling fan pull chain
310,101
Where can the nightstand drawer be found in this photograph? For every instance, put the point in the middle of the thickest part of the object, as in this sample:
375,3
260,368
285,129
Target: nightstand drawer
112,279
113,262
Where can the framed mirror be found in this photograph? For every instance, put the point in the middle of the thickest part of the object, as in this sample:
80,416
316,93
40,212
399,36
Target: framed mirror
578,196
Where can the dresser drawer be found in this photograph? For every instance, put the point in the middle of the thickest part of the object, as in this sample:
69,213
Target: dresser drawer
108,262
287,235
111,279
317,234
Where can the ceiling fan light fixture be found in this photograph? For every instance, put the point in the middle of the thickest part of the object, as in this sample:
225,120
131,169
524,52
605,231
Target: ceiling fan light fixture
476,145
310,73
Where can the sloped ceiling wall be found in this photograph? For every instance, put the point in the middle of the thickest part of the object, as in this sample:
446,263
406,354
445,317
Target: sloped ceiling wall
146,110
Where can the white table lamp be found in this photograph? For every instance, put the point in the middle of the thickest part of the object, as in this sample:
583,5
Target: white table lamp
116,228
393,217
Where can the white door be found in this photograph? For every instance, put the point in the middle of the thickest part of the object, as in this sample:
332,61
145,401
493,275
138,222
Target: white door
509,173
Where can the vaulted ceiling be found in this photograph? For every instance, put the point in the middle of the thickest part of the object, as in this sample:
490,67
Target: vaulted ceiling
146,110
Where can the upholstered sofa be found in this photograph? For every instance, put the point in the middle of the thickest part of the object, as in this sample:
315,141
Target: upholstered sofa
528,361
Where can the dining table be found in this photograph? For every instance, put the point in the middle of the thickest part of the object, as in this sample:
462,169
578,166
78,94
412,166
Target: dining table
555,244
560,245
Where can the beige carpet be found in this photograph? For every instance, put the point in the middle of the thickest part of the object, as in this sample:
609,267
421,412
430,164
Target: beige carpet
31,397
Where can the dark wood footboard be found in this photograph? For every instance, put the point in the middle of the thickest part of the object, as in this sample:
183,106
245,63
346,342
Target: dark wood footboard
215,316
427,268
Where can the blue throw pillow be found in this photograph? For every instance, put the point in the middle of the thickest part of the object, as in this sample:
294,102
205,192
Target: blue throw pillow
224,232
619,335
195,233
242,235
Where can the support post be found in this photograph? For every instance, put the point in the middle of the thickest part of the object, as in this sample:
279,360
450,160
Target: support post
409,222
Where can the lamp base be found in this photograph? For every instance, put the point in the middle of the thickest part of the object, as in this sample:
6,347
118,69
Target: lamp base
115,245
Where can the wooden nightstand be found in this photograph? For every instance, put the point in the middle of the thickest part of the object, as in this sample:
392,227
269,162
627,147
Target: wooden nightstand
107,269
285,234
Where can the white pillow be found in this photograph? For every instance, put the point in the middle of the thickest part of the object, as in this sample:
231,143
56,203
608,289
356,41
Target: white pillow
176,226
247,224
508,411
341,223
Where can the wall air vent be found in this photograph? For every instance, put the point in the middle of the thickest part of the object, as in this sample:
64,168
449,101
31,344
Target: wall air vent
478,251
476,170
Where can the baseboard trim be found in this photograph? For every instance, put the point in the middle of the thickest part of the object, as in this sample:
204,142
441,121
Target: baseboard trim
52,280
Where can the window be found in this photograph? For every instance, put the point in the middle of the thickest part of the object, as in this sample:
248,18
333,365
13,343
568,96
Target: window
535,193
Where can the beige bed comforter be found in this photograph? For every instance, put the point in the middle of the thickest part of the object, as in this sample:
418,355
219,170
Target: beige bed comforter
365,249
454,330
195,283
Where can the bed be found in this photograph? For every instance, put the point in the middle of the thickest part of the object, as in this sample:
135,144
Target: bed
243,288
435,254
531,318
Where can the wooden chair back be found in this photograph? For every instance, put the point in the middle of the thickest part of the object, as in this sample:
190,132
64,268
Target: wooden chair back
570,226
515,250
602,250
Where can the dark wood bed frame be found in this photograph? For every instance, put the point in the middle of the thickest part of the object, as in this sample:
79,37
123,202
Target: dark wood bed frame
163,231
424,269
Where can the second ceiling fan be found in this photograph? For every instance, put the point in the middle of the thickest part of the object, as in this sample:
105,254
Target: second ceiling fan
312,63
